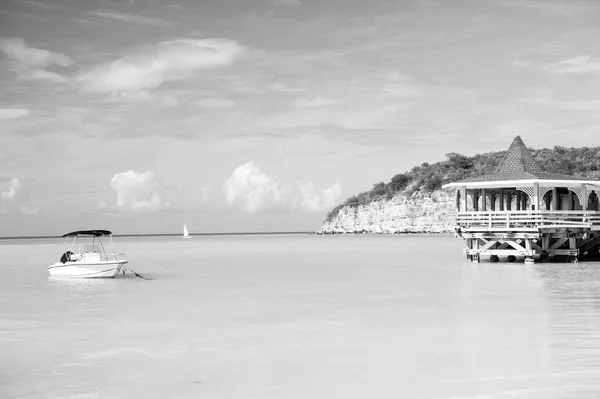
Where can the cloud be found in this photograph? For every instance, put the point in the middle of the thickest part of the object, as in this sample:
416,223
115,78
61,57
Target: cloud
12,197
137,192
286,3
168,61
18,50
127,17
29,62
312,102
13,113
278,86
40,74
312,200
11,189
581,65
215,103
403,90
29,210
204,193
254,191
40,5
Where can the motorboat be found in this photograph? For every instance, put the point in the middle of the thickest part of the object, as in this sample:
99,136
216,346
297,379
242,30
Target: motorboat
84,256
186,234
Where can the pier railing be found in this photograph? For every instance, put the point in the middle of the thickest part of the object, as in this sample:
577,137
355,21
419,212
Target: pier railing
526,220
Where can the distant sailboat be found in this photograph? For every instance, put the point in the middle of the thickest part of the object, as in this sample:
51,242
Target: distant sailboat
185,232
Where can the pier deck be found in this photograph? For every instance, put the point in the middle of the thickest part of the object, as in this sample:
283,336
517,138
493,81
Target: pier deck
543,234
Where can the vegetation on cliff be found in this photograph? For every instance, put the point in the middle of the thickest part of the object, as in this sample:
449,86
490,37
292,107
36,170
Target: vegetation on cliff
581,162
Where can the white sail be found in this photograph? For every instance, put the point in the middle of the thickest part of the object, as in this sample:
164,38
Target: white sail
185,232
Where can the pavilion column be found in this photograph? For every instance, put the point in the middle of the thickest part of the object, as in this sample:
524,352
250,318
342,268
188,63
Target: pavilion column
475,200
555,199
501,199
463,193
492,200
518,200
570,201
535,205
508,200
584,200
457,200
483,200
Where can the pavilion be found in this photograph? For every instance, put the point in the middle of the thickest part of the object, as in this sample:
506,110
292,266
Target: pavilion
522,210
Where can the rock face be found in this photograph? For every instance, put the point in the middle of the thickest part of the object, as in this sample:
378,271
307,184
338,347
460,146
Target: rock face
418,213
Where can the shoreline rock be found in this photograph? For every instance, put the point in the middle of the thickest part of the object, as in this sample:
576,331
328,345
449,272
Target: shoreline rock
419,213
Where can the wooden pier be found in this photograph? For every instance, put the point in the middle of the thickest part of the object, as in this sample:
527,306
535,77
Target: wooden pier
529,234
532,214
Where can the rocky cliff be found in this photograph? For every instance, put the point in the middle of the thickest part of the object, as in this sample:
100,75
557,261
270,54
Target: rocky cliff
418,213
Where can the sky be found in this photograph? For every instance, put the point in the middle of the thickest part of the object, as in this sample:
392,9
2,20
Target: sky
262,115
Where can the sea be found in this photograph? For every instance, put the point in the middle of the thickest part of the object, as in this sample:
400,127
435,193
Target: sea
298,316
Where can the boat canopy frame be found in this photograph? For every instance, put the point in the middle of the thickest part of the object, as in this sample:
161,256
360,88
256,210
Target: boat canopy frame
95,234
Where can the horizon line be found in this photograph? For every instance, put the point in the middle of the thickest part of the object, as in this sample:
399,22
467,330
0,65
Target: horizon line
170,234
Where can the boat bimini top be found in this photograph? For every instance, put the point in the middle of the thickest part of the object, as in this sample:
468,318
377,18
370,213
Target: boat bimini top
95,233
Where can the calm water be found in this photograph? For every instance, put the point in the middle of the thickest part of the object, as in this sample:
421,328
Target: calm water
298,317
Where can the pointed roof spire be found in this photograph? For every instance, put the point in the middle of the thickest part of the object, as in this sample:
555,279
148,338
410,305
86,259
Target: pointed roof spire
517,164
518,159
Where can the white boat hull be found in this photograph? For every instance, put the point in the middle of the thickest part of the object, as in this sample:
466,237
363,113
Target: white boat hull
99,269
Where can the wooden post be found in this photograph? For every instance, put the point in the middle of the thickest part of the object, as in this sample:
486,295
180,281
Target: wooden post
535,204
475,200
501,199
464,197
483,200
492,200
528,247
555,199
584,200
508,201
518,200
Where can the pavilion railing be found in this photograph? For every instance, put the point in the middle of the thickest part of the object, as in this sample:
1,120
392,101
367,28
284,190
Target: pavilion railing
527,220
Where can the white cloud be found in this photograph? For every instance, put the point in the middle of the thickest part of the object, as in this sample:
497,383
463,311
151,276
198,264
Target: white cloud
581,65
168,61
215,103
204,193
29,62
402,90
137,192
286,3
40,5
278,86
11,189
312,102
13,113
255,191
127,17
18,50
12,197
169,102
40,74
29,210
312,200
